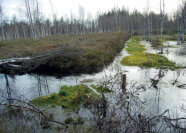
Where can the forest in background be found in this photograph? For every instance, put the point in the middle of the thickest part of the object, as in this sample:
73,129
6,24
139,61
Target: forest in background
148,23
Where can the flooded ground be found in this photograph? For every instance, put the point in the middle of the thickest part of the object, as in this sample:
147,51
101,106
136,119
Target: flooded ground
166,96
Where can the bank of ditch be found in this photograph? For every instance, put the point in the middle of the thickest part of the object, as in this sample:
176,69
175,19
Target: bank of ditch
67,55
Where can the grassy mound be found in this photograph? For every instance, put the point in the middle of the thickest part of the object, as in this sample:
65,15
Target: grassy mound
69,97
67,54
142,59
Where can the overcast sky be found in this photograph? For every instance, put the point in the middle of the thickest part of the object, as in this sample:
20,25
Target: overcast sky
66,7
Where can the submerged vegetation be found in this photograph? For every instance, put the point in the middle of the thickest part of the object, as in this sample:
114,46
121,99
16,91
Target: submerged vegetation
142,59
69,97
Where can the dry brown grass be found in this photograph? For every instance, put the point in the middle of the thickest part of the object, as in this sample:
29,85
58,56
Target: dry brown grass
30,47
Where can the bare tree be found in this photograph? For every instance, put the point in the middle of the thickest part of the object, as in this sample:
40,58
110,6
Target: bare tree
183,16
2,21
149,19
81,18
29,16
162,13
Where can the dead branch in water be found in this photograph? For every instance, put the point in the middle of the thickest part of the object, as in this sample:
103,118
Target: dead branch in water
32,108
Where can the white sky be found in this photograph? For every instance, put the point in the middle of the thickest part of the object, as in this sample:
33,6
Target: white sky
65,7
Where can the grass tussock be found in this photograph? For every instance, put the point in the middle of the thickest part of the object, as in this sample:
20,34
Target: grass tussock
69,97
142,59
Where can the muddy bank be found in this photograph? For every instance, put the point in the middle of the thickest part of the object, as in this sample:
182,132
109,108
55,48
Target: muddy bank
85,57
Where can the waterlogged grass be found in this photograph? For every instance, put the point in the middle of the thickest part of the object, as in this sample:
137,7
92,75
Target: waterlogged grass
99,88
147,60
69,97
142,59
134,47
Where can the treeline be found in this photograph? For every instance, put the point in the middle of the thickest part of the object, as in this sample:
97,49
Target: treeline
142,23
17,30
114,20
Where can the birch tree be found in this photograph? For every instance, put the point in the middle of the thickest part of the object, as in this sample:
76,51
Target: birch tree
162,13
2,21
149,19
81,18
29,15
183,18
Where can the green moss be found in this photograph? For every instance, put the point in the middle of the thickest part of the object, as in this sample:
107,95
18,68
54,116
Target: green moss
98,89
54,96
134,46
69,97
63,93
139,58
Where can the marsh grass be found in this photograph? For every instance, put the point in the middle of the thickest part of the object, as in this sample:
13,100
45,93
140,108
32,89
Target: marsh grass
142,59
69,97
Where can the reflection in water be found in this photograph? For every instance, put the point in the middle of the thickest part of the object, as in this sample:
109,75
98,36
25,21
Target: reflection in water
181,51
7,87
42,83
9,97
